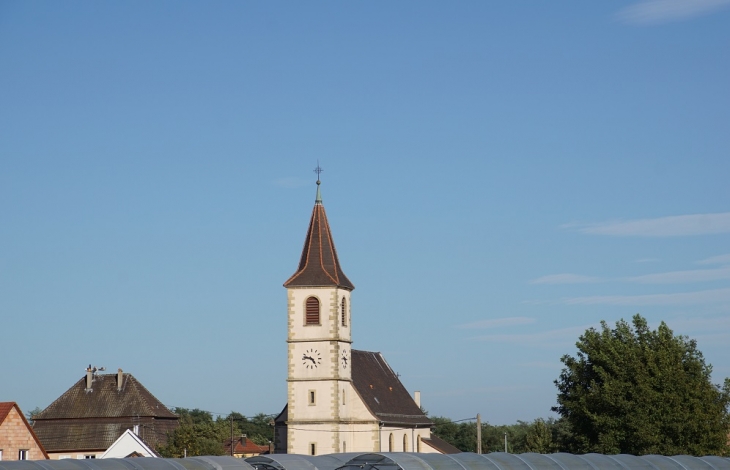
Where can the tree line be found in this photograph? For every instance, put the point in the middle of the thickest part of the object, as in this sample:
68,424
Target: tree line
200,434
629,389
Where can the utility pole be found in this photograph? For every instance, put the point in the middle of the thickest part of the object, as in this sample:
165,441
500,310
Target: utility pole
231,434
505,443
479,433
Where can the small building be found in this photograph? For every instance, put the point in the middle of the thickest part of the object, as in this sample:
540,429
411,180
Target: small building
17,439
244,447
129,445
91,415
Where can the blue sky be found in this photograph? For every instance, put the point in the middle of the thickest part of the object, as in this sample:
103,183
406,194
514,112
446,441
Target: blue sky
498,177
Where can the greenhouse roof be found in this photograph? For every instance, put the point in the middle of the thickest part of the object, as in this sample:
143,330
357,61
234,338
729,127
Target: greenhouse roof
389,461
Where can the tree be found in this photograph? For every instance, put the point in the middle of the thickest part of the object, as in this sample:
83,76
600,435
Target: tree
31,414
539,438
637,391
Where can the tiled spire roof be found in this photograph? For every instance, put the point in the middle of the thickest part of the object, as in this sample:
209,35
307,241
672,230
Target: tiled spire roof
319,266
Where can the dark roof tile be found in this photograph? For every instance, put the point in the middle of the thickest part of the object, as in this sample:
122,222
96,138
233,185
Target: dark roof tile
382,391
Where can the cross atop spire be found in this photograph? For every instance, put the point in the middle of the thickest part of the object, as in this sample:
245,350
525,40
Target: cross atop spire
318,170
319,266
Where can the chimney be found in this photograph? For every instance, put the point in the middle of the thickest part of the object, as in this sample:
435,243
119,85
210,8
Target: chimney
417,398
89,378
120,378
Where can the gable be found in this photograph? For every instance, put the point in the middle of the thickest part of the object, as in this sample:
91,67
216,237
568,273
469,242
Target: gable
127,444
12,419
383,393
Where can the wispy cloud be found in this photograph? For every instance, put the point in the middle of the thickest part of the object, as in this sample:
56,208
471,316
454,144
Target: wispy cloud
681,298
540,338
721,259
693,324
677,277
565,279
497,322
672,226
663,11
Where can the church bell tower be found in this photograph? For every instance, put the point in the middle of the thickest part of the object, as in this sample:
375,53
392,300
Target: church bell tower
319,376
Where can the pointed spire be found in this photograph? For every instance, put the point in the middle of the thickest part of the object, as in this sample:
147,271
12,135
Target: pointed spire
319,265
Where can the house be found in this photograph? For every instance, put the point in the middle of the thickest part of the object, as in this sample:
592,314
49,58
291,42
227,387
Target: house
91,415
244,447
17,439
339,399
129,444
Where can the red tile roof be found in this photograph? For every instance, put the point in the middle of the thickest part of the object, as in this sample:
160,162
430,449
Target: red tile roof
319,265
244,445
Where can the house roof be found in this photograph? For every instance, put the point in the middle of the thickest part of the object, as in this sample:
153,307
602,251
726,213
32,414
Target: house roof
92,420
319,265
382,391
105,400
6,407
243,445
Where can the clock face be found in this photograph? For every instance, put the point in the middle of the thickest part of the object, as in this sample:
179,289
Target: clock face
344,359
311,359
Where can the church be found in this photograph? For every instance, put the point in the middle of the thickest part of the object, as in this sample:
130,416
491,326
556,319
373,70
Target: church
340,399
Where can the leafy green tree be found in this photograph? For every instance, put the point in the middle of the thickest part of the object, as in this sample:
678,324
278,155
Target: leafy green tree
31,414
639,391
539,438
198,434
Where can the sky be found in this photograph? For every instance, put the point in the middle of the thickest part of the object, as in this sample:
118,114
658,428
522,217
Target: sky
498,176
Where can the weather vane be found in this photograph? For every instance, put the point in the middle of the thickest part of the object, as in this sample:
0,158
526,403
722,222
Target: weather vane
318,170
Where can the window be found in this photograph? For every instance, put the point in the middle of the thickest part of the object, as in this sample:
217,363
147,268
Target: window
89,456
405,442
418,444
344,446
343,397
390,443
23,454
1,454
312,396
343,314
312,449
312,313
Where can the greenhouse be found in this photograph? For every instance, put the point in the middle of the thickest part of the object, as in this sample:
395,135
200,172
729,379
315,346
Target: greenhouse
389,461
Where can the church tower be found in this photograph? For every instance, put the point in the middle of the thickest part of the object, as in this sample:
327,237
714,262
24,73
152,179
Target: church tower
319,337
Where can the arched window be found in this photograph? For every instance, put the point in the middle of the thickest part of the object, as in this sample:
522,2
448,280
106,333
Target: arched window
418,444
405,442
390,443
312,311
343,307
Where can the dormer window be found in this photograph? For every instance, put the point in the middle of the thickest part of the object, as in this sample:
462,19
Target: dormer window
344,312
312,311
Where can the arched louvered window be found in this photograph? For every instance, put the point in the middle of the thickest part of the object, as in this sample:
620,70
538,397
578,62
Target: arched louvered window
390,443
343,314
312,314
405,442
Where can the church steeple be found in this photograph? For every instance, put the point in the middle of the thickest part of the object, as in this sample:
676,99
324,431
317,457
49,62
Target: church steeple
319,265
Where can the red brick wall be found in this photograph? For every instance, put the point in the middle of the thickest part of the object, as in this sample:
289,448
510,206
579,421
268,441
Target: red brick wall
14,436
